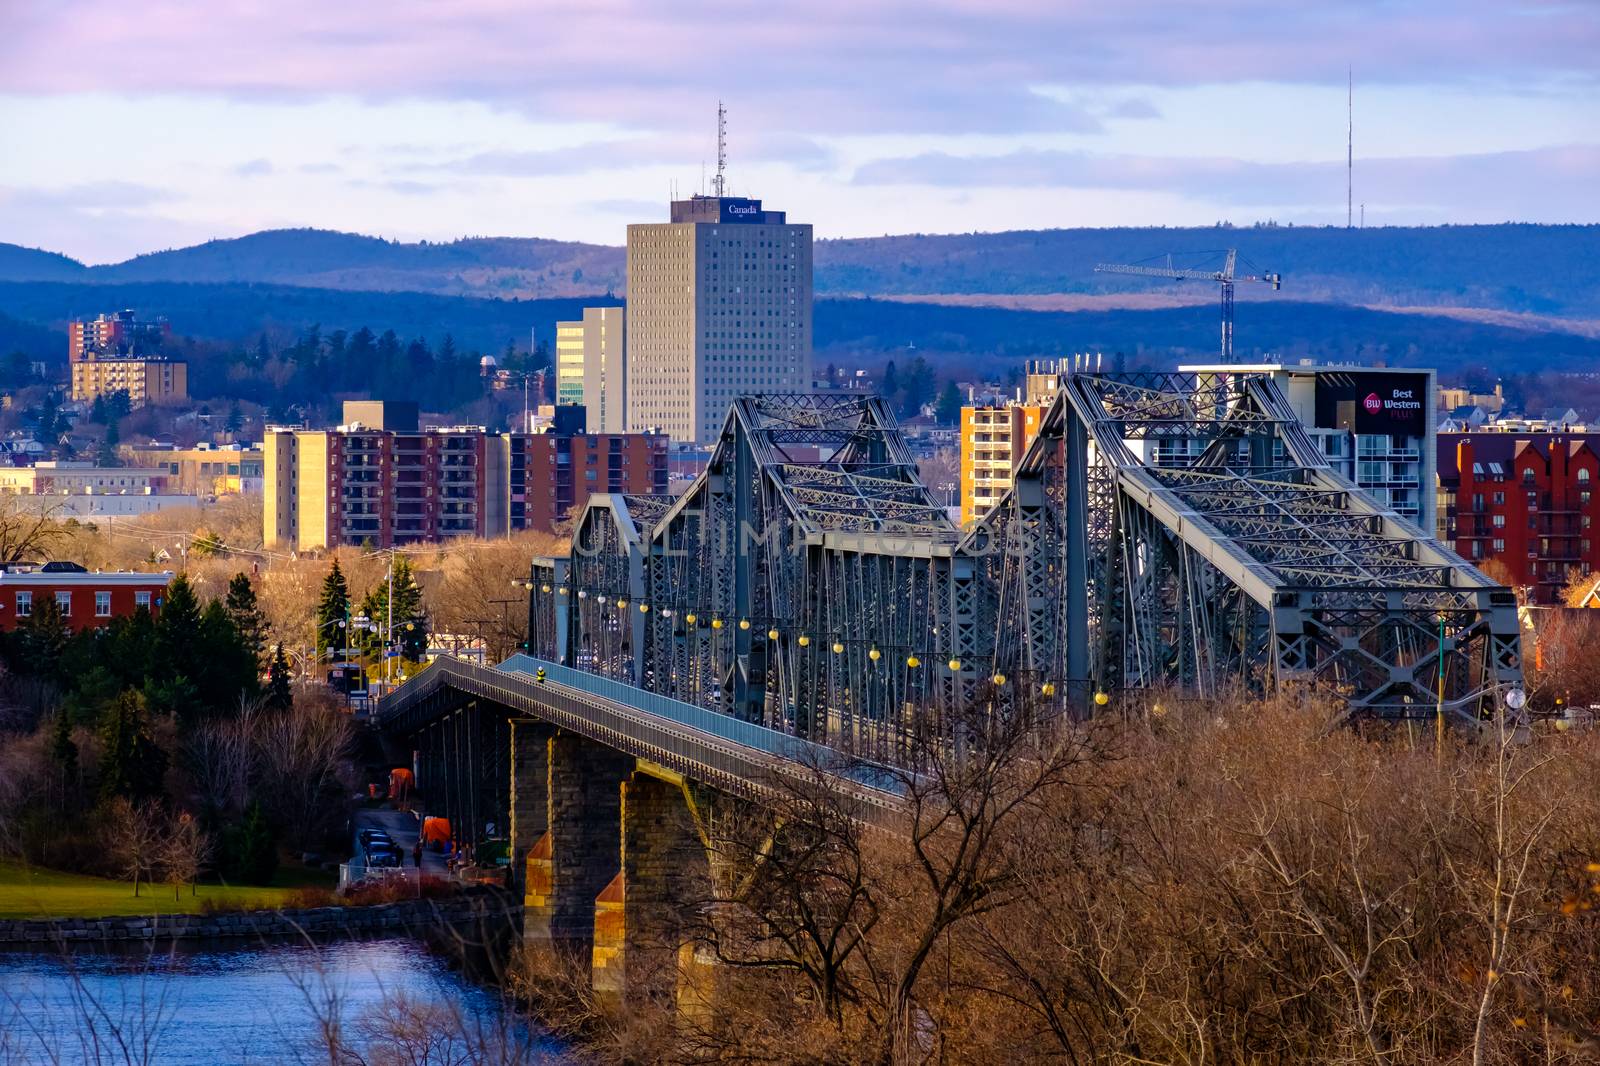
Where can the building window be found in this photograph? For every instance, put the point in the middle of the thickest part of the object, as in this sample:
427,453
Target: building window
142,599
1499,521
1527,476
1499,546
24,604
1583,477
1499,499
64,603
102,605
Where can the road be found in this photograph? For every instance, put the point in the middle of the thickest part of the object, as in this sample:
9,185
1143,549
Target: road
403,827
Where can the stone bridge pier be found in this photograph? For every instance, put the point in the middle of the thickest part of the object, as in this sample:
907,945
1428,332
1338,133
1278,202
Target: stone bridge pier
615,865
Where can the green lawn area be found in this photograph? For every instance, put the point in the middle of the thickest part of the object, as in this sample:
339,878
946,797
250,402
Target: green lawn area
33,892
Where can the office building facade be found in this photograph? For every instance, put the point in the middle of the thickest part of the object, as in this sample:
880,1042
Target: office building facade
203,471
591,367
1376,425
719,306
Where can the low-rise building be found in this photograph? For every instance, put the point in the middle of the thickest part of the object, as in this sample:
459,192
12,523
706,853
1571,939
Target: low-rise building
53,477
204,470
85,599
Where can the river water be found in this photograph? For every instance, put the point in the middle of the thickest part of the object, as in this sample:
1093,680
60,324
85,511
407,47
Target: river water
380,1001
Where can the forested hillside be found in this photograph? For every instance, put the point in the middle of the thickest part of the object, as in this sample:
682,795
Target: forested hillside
1552,270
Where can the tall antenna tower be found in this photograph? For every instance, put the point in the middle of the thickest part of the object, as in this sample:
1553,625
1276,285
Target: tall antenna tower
1349,147
719,183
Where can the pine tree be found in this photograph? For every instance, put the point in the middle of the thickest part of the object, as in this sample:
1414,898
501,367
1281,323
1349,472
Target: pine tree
889,384
332,608
245,614
409,619
63,749
279,695
132,764
42,639
178,627
225,667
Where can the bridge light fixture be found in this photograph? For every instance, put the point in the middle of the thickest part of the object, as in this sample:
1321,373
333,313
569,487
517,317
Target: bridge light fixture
955,666
689,618
716,623
644,608
838,648
1158,711
622,605
998,679
913,662
1101,699
874,654
744,623
804,641
546,589
772,634
1048,688
583,594
562,590
601,600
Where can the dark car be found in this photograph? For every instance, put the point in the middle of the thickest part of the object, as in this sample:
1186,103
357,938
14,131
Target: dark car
384,855
370,836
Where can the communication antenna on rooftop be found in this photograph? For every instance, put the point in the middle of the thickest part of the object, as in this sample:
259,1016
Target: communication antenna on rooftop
719,183
1349,147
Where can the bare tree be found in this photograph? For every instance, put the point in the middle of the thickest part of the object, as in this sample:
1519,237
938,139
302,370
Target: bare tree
303,765
183,853
29,529
135,836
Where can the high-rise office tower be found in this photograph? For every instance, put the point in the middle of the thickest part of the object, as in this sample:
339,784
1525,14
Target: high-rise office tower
591,368
719,306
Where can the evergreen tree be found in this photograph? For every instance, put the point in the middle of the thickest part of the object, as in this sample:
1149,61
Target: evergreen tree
63,749
949,411
447,351
235,420
332,608
279,695
889,384
249,854
41,640
245,614
132,764
108,456
225,667
916,387
178,627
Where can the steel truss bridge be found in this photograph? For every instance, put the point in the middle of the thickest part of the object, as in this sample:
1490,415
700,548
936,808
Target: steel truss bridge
1168,531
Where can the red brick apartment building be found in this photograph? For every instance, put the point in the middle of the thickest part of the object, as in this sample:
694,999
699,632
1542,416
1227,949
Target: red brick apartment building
1528,500
86,599
379,479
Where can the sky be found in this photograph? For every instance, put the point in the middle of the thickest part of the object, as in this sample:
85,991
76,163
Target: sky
128,127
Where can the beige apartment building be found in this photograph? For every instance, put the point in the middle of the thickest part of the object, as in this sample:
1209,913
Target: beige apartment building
67,478
591,368
995,438
146,381
719,306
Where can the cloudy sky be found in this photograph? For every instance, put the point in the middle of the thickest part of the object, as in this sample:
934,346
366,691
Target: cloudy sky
133,125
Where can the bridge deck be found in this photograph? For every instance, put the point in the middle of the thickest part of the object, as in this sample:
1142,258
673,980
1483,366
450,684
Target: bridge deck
702,745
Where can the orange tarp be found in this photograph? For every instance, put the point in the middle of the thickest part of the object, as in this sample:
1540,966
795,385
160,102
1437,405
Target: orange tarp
436,830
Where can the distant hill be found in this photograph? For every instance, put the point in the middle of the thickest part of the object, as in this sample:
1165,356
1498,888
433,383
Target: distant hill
957,340
1547,270
32,264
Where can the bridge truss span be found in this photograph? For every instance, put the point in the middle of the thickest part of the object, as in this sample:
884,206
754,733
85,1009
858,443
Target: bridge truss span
1173,531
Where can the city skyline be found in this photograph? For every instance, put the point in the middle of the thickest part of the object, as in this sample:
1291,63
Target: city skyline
490,118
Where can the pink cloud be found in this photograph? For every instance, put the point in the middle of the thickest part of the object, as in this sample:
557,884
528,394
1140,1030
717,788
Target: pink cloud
840,66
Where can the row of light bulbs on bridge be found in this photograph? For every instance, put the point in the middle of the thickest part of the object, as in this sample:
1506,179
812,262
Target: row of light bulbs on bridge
1048,688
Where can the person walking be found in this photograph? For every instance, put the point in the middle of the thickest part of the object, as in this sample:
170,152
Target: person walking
416,853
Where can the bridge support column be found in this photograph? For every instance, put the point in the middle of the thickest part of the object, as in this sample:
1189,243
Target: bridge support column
579,854
644,921
530,793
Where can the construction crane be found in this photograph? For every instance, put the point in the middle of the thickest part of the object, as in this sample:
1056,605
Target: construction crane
1225,277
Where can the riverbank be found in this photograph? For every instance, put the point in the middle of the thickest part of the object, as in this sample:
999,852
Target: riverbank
486,912
32,892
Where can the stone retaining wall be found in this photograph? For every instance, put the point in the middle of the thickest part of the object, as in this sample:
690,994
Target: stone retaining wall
409,916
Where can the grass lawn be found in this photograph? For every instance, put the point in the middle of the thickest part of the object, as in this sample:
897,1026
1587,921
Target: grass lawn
33,892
